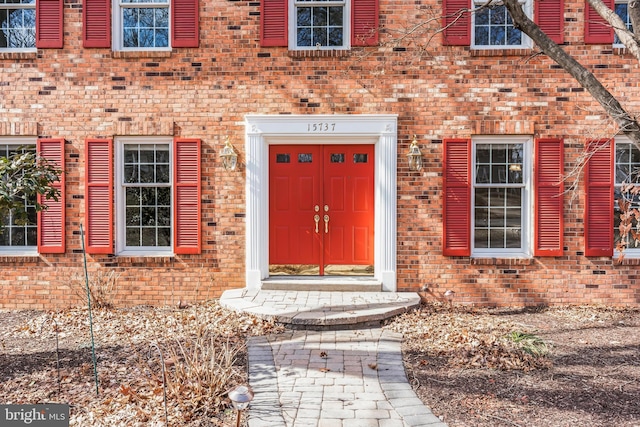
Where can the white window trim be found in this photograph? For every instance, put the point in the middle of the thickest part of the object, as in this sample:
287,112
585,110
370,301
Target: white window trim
630,253
116,27
527,213
121,248
19,250
20,6
527,6
619,45
293,37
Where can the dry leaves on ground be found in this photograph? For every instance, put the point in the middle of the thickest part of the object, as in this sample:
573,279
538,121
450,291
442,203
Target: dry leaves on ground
202,347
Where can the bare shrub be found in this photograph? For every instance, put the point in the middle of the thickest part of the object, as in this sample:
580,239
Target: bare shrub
102,286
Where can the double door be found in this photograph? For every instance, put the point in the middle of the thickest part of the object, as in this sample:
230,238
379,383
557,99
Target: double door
321,209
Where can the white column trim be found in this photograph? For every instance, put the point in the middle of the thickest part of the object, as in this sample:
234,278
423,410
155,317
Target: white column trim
264,130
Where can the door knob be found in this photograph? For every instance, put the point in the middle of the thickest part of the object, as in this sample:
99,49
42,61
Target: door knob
326,224
316,218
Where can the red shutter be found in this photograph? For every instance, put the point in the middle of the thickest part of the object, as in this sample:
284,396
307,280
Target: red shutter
457,28
274,23
96,23
550,18
364,23
184,23
596,29
598,222
98,198
549,201
186,190
51,222
457,197
49,23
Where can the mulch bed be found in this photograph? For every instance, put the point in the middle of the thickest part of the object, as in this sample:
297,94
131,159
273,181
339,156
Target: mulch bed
569,366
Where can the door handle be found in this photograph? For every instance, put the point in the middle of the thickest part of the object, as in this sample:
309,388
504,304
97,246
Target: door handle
326,224
316,218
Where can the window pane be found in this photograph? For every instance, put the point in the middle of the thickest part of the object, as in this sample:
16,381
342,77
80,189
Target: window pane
498,204
320,26
145,27
18,28
148,205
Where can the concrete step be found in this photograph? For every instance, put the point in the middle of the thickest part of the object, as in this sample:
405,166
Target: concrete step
320,310
323,284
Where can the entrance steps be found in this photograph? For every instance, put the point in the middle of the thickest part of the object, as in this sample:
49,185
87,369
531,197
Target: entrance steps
323,284
320,310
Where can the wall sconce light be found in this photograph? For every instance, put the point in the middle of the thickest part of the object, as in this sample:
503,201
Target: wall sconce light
229,156
415,155
240,398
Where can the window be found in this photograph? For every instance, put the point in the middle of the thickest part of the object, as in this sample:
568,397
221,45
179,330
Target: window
627,171
157,186
622,10
493,27
144,195
320,24
141,24
18,24
16,236
43,232
500,197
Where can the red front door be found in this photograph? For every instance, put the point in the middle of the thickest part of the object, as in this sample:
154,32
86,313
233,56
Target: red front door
321,207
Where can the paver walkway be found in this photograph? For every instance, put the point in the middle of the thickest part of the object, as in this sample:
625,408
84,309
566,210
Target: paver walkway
329,378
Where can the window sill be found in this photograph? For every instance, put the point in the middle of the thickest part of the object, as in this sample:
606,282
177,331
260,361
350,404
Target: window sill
122,54
320,53
525,51
502,261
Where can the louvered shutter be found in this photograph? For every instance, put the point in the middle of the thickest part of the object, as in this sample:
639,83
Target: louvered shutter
550,18
596,29
49,24
98,199
185,23
457,28
364,23
598,221
273,23
186,201
549,190
51,221
457,197
96,23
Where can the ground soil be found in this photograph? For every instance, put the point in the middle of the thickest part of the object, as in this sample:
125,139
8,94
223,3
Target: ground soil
573,367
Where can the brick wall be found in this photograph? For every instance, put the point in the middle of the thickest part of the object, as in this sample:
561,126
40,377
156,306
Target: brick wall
438,92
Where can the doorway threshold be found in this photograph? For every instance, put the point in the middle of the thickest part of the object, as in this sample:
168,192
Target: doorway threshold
322,283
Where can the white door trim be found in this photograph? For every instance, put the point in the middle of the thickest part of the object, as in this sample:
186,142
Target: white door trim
264,130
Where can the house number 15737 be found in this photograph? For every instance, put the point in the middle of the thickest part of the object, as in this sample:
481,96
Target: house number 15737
321,127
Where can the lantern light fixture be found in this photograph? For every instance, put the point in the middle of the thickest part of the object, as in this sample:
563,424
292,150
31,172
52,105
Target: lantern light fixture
229,156
240,397
415,155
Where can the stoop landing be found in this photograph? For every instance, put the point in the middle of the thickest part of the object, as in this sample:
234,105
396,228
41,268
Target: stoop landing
316,309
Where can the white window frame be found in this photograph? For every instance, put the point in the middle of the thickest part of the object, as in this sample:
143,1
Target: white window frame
527,216
118,30
21,6
121,248
631,253
19,250
293,28
620,45
527,6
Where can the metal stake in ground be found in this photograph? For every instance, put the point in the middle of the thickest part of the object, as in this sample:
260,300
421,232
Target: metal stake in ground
86,280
